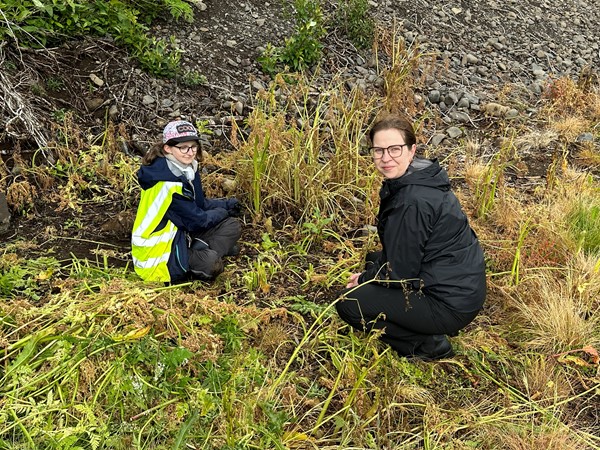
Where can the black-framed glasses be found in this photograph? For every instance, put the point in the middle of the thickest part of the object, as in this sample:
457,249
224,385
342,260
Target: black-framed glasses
394,151
186,150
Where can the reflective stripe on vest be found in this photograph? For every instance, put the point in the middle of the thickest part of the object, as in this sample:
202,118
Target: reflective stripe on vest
151,249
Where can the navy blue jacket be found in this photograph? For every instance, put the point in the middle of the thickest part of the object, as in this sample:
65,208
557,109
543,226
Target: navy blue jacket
190,212
427,240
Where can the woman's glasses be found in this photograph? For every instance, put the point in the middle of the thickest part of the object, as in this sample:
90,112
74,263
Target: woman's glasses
393,150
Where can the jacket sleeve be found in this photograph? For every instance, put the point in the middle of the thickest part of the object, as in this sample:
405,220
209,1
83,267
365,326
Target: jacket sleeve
187,215
372,270
212,203
405,236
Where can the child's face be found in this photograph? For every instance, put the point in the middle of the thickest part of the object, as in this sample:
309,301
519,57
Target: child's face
184,152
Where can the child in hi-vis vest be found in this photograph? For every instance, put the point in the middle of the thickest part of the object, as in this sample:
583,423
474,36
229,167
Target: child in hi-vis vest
178,233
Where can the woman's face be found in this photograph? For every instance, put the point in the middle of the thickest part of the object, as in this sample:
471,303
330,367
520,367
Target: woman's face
391,141
184,152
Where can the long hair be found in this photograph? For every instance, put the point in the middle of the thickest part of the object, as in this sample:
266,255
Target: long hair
395,122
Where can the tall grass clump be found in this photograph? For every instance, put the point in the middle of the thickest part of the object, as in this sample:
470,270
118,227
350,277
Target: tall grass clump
575,211
584,224
554,317
487,180
306,154
405,68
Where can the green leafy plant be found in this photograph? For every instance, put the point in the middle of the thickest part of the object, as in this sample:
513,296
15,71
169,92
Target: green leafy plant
55,84
302,49
59,114
203,127
27,278
39,23
353,19
193,78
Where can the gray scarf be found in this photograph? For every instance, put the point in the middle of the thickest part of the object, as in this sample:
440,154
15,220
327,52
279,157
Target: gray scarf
178,169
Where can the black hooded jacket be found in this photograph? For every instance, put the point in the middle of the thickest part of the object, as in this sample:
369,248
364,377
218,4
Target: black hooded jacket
427,240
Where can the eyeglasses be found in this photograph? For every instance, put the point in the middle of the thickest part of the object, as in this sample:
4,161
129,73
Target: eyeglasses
186,150
393,150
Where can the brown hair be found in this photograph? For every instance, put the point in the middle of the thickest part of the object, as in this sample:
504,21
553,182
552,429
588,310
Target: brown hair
395,122
157,151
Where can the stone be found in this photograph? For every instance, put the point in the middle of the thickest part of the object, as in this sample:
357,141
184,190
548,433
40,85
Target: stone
258,85
113,112
454,132
239,107
94,103
437,139
495,109
459,116
512,113
585,137
148,100
463,103
229,185
451,99
469,59
4,214
96,80
434,96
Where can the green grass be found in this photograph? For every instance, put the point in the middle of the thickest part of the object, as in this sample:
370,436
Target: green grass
584,220
93,358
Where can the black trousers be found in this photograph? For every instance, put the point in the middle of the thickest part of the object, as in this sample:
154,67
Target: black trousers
206,261
411,320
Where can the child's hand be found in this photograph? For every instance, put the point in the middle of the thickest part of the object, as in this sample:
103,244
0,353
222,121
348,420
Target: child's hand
232,203
233,207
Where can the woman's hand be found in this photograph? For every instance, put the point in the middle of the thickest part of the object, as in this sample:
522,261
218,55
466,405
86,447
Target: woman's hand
353,281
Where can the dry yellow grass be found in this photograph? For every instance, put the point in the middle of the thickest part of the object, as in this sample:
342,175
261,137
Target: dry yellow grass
553,318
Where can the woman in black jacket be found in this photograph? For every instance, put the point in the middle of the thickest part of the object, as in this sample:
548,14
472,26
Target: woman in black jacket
428,281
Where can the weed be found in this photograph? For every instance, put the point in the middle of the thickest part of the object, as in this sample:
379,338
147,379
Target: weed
49,22
193,78
524,230
203,127
353,19
20,196
55,84
270,59
584,223
59,115
400,75
301,169
302,49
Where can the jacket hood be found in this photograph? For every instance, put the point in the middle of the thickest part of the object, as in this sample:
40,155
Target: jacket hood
158,170
421,172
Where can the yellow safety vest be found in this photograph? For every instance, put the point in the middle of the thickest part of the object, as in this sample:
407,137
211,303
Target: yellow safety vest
151,248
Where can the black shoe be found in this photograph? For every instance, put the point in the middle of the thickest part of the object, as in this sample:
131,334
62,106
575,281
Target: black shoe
438,347
233,251
216,270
